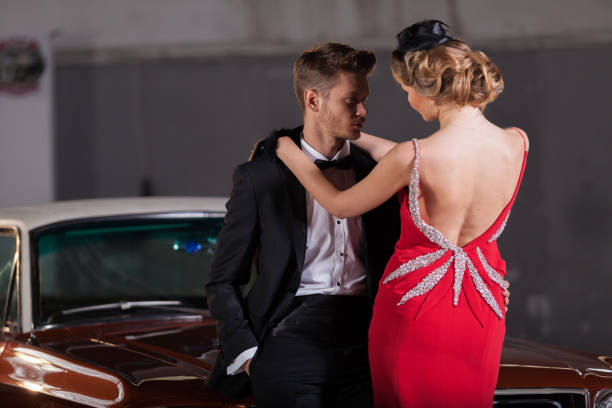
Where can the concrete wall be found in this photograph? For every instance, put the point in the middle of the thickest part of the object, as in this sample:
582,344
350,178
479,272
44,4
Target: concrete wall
182,126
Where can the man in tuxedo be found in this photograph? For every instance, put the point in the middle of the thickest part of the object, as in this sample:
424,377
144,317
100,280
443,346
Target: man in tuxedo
301,331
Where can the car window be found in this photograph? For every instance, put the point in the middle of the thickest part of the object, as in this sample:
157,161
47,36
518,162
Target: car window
138,261
8,258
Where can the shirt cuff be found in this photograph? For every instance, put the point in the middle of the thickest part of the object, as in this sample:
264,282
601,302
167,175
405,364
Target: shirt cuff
237,366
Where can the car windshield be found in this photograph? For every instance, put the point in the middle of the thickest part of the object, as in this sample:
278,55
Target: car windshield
103,269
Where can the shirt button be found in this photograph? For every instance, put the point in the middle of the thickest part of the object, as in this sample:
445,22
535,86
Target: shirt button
337,283
338,221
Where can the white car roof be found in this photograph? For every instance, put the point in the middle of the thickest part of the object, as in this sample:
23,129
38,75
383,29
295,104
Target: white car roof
34,216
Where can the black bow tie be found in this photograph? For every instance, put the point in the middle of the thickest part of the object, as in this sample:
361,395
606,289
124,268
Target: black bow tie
342,163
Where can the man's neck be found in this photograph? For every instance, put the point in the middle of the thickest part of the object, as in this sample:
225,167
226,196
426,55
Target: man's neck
327,145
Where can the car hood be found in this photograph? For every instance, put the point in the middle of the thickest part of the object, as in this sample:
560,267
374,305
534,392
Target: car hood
145,353
527,364
136,363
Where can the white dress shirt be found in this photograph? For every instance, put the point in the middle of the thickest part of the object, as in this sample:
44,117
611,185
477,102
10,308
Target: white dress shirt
332,262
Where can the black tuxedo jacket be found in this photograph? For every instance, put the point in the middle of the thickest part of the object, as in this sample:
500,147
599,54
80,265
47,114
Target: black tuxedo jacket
266,222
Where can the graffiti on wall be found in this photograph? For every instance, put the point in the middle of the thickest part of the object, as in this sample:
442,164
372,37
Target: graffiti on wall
21,65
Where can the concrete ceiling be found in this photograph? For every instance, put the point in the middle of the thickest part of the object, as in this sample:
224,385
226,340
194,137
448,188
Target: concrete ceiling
115,29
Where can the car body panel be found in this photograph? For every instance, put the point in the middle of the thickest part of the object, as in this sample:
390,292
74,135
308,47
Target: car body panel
529,365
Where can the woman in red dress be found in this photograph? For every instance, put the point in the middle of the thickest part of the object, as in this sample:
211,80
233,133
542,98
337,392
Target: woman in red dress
438,322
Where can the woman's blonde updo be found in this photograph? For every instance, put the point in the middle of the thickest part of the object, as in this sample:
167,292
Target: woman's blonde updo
443,68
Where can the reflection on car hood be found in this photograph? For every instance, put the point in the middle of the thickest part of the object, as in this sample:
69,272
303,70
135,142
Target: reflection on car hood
527,364
149,354
162,362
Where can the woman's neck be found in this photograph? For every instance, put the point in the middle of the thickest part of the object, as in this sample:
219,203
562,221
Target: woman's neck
468,117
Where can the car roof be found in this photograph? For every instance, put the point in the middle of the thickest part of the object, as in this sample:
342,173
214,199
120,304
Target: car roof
34,216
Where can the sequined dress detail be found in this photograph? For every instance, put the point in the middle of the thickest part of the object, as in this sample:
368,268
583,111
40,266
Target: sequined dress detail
438,323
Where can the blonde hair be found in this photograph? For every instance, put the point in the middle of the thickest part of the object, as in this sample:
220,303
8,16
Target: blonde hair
449,73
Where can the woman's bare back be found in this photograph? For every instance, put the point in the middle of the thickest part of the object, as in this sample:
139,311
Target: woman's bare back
468,177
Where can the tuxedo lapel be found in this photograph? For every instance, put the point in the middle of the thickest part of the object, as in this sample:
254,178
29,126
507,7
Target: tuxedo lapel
296,214
361,163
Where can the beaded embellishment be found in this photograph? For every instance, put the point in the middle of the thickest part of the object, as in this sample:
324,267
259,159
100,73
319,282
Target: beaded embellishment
495,277
500,229
461,260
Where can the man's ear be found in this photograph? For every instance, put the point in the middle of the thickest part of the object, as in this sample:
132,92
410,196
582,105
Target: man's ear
312,100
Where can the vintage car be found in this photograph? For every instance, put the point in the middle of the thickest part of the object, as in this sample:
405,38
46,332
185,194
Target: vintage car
103,305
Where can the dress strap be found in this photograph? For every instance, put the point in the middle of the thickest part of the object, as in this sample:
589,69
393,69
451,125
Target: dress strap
508,206
429,231
416,152
520,132
414,175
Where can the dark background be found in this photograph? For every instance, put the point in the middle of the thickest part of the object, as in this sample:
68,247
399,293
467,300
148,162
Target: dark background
179,126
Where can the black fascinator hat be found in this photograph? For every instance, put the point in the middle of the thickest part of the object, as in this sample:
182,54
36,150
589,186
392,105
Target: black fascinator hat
422,36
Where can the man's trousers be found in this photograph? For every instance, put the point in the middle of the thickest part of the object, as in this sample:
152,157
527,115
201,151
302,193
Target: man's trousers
317,356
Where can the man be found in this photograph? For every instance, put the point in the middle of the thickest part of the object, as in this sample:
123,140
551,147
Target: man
301,332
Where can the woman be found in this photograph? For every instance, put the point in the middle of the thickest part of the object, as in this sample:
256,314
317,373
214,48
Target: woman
438,322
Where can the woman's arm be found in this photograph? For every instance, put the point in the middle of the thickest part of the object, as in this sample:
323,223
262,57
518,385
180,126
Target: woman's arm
388,177
376,147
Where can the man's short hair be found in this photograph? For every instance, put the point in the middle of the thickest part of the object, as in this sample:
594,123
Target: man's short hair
318,67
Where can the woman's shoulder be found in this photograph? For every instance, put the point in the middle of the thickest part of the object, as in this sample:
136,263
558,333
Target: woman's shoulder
518,133
404,151
440,146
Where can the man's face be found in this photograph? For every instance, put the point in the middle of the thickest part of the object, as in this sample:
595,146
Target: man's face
343,110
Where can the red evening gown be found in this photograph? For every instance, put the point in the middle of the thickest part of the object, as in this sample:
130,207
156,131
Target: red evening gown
438,322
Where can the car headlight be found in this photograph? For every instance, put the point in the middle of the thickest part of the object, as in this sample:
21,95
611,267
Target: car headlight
603,399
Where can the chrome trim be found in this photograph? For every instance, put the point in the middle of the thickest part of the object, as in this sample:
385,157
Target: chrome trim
190,214
18,273
601,394
122,305
545,391
35,232
25,277
113,320
14,279
580,373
